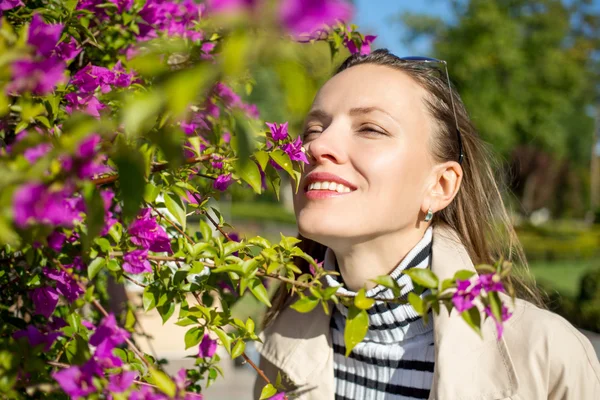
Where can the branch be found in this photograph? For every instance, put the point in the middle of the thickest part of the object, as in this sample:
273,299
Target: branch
173,224
155,168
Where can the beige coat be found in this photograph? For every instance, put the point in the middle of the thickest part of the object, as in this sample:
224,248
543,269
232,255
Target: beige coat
541,356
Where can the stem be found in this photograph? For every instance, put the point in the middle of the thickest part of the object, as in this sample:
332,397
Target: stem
173,224
211,219
155,168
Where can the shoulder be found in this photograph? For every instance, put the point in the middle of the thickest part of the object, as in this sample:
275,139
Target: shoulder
538,336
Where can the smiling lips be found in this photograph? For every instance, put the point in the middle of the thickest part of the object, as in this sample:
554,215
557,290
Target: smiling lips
321,185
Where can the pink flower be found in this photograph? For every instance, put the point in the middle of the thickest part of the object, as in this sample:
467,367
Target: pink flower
35,337
136,262
490,283
207,347
121,382
305,17
37,77
56,240
365,47
499,324
32,154
463,297
294,150
106,337
75,381
9,4
44,300
65,284
34,202
278,396
223,182
86,103
278,132
43,37
146,232
67,51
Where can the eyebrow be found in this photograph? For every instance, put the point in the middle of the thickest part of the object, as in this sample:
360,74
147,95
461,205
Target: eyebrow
353,112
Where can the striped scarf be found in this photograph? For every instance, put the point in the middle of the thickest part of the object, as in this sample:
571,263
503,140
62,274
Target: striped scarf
396,358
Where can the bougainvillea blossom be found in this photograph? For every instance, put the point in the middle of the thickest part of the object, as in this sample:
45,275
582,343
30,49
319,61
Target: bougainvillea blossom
295,151
44,299
302,18
65,284
136,262
222,182
36,203
144,231
278,131
35,337
207,347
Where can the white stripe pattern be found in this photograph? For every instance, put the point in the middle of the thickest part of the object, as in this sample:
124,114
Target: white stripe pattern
396,358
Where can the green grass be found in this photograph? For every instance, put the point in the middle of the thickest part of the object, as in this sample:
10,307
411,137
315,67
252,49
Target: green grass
563,276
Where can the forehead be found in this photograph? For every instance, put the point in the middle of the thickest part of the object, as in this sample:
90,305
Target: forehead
369,85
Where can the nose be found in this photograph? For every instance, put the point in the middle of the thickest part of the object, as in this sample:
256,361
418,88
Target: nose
328,146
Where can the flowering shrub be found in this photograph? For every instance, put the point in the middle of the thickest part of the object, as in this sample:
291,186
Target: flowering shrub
113,112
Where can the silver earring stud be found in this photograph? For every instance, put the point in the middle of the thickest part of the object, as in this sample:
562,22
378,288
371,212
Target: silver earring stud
429,215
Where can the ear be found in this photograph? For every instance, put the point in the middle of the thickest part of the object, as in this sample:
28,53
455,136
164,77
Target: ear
445,182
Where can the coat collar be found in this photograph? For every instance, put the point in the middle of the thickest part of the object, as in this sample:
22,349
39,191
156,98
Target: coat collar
466,367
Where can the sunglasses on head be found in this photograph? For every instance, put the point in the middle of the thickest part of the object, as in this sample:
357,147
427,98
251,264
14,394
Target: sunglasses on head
427,60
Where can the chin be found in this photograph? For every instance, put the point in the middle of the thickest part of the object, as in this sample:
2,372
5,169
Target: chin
323,229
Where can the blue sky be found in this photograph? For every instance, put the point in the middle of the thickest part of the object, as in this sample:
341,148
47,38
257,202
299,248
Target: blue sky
372,17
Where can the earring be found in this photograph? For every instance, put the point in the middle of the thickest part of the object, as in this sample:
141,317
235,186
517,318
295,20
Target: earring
429,215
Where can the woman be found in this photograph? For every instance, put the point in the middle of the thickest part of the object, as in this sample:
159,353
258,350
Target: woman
393,183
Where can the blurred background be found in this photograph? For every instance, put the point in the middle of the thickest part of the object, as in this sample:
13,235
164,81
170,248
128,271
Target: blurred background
529,73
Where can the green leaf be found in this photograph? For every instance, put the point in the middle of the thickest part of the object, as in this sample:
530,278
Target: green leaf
389,282
151,191
250,174
263,158
238,349
362,301
281,158
268,391
95,267
357,325
140,111
224,337
205,230
259,291
305,304
495,305
250,325
149,299
77,351
166,310
94,211
423,276
232,246
186,86
243,140
473,318
176,209
193,336
163,381
417,303
131,167
463,275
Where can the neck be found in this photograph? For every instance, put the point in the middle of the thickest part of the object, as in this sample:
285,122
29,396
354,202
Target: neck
361,262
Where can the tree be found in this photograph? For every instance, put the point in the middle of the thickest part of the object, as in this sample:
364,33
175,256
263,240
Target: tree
528,72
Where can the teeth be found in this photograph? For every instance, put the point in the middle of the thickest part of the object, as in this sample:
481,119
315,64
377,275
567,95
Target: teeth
332,186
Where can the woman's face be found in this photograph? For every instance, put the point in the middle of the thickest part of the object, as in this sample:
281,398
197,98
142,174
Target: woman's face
367,132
